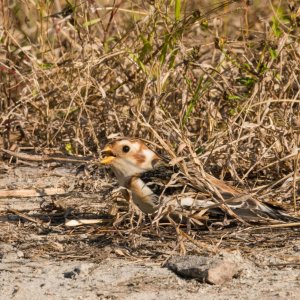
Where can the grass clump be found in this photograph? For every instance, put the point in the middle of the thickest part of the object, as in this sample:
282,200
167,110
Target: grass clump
223,75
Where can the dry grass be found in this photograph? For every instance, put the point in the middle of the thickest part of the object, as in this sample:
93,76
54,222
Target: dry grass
220,78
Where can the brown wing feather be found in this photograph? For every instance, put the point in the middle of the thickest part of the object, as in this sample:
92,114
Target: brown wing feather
243,204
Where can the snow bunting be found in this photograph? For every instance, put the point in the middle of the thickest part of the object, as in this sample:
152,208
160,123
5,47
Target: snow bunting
153,183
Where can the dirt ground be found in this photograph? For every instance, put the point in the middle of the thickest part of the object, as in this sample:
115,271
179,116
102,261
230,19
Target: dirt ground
124,279
42,258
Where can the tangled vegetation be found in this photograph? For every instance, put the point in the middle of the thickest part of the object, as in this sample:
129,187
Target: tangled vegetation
220,79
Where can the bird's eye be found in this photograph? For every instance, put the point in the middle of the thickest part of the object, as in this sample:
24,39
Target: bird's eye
126,149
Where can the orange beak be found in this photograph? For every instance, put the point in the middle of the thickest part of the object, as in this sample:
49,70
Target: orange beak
109,156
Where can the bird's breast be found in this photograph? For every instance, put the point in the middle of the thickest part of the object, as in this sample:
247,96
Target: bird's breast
142,196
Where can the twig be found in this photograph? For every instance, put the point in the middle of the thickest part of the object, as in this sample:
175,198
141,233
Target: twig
293,224
25,217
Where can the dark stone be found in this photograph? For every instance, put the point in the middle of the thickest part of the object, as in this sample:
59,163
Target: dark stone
214,270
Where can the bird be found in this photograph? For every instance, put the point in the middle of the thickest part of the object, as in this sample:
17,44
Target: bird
156,186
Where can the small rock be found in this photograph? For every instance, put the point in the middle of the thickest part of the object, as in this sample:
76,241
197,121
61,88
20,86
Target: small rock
72,274
9,257
8,253
83,270
6,248
296,248
20,254
189,266
221,272
214,270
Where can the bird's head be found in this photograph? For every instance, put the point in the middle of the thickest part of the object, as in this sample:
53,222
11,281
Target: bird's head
129,157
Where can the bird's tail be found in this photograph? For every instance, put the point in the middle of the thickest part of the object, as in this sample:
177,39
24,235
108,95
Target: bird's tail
252,210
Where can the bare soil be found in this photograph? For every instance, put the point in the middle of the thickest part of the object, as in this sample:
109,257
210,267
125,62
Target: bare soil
41,258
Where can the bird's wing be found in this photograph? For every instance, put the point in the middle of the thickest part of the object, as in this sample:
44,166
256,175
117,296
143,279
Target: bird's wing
167,180
161,180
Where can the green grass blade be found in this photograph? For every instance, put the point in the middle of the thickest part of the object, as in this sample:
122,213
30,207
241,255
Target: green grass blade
177,9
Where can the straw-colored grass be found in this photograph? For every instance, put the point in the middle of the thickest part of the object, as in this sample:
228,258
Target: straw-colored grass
220,78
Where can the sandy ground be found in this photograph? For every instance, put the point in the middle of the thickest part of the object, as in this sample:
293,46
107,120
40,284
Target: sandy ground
121,279
56,262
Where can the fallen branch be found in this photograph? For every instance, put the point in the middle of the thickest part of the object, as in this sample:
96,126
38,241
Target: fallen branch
24,193
45,158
